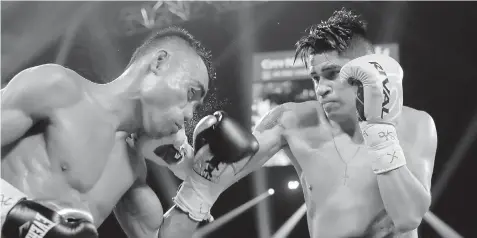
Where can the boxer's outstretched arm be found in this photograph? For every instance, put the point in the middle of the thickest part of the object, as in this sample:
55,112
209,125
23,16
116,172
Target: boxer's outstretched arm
31,95
139,212
269,133
406,191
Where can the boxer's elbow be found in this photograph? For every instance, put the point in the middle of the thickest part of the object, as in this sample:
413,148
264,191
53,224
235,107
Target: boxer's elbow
411,219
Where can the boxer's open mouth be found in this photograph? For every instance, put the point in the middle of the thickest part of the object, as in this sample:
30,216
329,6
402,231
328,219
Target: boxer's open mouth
168,153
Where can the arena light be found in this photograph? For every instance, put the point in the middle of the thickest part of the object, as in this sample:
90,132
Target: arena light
292,185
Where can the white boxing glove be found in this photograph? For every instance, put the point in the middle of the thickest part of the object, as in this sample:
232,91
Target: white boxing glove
217,140
379,103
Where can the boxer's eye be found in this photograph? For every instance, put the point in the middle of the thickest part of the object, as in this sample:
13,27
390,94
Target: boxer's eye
191,93
330,74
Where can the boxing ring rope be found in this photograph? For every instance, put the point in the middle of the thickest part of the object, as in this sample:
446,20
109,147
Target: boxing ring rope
201,232
455,159
288,226
440,227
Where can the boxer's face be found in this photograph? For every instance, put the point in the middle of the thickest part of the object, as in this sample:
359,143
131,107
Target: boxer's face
173,87
337,96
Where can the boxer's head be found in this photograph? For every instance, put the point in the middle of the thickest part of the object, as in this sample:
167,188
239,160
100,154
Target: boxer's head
324,50
175,76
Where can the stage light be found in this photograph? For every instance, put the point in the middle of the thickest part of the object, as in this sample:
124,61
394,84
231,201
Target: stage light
293,185
271,191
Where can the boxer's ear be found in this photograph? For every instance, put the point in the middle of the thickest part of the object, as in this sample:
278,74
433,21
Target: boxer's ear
157,64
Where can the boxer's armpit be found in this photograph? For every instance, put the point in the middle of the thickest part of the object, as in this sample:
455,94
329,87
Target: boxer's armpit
271,119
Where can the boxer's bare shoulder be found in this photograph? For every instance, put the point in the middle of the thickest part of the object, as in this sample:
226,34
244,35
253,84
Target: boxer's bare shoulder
32,95
269,132
41,87
290,116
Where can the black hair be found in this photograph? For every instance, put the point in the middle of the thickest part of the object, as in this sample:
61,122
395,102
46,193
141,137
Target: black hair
333,34
174,31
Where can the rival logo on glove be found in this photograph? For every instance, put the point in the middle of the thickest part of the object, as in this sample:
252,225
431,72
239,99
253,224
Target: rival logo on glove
39,227
386,91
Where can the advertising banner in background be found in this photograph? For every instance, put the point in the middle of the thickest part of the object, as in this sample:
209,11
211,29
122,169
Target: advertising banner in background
278,78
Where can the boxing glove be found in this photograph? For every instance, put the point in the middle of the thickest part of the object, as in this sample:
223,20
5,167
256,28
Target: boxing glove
213,170
30,219
379,102
228,141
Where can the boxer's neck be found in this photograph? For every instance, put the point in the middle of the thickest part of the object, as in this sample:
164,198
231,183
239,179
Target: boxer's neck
118,101
350,127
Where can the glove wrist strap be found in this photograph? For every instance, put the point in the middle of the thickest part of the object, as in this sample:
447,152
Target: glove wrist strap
190,201
9,196
383,142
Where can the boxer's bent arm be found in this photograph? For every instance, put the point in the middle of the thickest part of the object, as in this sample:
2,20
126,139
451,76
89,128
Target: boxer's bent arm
406,191
31,95
139,212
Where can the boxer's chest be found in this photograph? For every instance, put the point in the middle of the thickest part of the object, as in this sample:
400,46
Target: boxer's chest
334,170
122,168
79,141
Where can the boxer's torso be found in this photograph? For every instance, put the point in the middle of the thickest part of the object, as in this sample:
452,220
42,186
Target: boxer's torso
75,157
340,188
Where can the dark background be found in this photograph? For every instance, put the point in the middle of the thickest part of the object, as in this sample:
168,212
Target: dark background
437,52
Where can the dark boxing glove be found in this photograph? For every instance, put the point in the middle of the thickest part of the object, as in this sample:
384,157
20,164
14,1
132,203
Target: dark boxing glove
29,219
222,149
229,142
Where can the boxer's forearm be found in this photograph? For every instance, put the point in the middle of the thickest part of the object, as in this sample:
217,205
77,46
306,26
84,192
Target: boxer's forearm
404,197
270,142
177,224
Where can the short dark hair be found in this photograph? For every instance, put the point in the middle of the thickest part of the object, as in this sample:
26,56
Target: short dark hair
183,34
333,34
